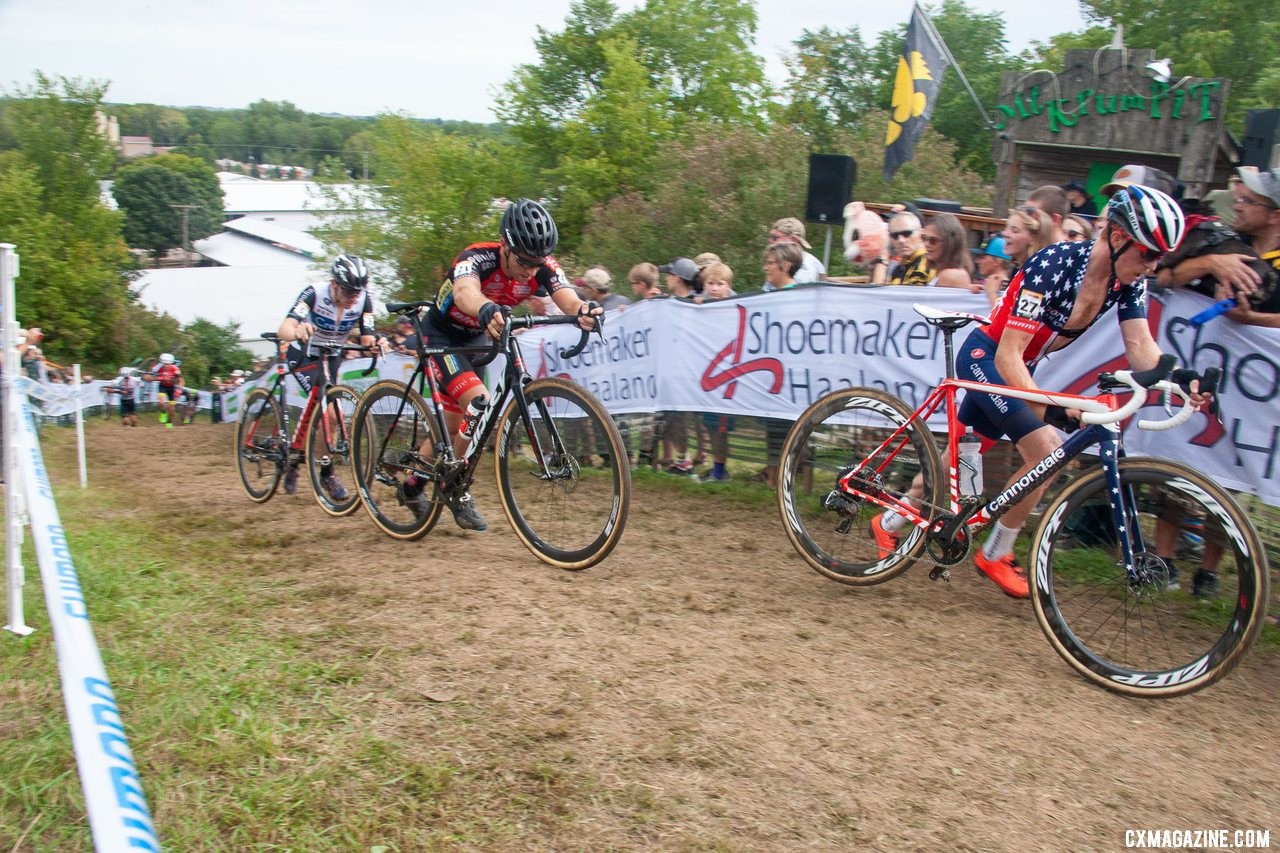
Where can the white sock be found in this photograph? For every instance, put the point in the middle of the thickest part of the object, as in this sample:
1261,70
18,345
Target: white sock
1000,542
891,521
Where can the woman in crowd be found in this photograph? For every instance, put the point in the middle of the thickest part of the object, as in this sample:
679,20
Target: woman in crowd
1026,231
1076,228
946,246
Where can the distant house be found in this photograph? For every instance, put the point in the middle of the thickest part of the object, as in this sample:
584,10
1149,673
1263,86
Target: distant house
262,258
136,146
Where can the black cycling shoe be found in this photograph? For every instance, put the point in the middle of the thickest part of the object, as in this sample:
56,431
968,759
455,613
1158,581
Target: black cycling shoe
409,493
465,514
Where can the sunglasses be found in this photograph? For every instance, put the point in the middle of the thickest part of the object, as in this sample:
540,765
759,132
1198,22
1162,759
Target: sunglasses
1074,235
526,262
931,240
1251,202
1149,256
902,235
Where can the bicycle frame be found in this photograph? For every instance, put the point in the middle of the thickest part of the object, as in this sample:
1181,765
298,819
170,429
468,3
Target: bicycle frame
972,513
297,438
510,384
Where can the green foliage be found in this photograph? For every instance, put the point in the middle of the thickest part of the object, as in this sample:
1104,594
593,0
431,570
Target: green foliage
724,186
1234,39
831,84
73,280
610,90
148,190
439,189
213,351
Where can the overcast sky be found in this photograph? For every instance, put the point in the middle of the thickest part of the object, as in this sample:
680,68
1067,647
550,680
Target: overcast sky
422,57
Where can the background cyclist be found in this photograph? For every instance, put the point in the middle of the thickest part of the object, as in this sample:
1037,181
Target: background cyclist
169,376
485,276
327,314
1059,293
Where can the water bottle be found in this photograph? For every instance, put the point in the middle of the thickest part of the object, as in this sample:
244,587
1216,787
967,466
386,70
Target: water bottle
970,464
474,410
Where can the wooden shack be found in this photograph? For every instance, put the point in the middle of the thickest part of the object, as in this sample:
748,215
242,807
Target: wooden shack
1103,110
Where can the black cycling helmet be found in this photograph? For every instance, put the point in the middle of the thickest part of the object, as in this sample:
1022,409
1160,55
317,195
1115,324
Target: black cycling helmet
529,229
1151,217
349,272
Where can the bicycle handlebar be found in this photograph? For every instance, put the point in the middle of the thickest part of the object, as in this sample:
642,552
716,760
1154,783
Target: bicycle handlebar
1157,379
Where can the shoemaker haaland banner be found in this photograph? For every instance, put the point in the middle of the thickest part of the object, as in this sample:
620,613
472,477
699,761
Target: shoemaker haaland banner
773,354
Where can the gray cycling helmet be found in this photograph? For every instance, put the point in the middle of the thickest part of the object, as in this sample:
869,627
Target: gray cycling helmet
529,229
349,272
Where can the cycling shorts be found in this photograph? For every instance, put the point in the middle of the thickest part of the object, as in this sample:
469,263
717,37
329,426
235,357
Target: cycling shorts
992,415
453,373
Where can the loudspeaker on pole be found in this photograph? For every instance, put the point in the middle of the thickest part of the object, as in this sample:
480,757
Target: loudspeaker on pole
831,178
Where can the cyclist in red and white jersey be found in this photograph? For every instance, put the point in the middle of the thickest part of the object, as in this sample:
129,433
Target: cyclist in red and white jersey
1055,297
484,278
169,375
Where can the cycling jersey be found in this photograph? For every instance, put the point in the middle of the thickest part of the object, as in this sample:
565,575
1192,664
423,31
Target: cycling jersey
1042,294
1039,302
332,323
481,260
167,375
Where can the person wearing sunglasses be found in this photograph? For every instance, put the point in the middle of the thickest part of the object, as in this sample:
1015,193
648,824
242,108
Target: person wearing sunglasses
484,278
1059,293
946,246
1242,262
1077,228
906,244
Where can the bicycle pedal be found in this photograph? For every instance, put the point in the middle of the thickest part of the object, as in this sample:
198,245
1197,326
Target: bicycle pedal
940,572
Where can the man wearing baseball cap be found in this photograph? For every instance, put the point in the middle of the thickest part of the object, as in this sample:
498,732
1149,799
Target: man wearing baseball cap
1146,176
683,279
791,230
1255,204
596,282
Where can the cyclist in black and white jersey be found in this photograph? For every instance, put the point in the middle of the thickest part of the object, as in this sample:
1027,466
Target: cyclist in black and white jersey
484,278
327,314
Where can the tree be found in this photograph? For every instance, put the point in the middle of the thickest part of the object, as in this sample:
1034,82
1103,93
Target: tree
830,83
150,192
610,146
1233,38
437,190
689,64
213,350
74,281
723,187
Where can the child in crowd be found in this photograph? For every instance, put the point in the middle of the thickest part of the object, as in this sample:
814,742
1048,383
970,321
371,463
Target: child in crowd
717,282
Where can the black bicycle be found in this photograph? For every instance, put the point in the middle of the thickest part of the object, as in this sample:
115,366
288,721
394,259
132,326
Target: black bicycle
264,445
561,466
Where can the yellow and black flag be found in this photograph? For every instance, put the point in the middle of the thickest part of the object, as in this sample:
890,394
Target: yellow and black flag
915,90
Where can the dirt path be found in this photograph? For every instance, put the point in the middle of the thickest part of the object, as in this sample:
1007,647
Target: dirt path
713,693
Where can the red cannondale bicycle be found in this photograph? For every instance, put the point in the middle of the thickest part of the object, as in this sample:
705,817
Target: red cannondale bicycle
265,445
1101,592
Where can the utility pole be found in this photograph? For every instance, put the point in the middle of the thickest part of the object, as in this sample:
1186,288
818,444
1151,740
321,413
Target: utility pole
186,218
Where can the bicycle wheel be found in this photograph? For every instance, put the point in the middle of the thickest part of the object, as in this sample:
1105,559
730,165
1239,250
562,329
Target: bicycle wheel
565,483
830,528
329,463
1130,631
395,436
260,445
